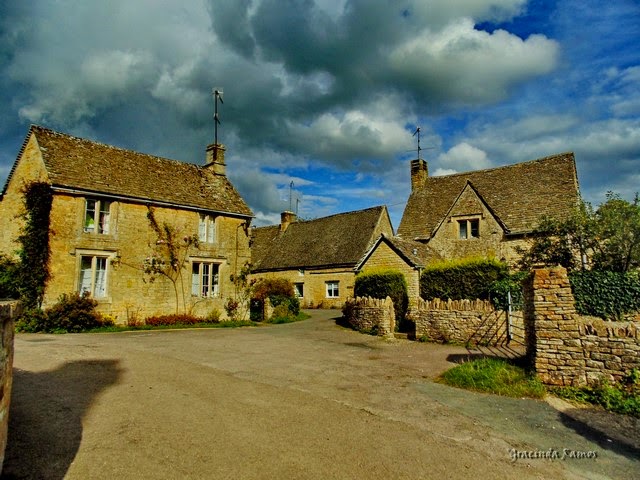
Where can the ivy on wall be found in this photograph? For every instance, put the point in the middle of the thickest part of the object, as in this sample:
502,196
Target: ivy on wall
33,271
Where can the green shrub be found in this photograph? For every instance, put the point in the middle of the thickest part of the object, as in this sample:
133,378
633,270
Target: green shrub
213,316
607,295
292,304
383,284
8,278
499,290
459,279
72,313
280,293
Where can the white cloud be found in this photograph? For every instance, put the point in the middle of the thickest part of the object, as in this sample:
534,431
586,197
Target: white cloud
464,157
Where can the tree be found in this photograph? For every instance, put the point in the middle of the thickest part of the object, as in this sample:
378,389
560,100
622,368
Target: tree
606,239
170,254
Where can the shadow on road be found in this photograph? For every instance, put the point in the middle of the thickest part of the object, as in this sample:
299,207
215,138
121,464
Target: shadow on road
45,417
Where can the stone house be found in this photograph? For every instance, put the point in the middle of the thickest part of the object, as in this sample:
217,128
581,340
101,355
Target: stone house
318,256
488,212
406,256
100,234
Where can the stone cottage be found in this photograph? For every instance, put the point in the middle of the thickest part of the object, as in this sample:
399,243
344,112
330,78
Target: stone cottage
488,212
101,237
318,256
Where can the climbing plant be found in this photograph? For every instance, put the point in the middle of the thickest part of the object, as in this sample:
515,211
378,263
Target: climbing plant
33,271
170,255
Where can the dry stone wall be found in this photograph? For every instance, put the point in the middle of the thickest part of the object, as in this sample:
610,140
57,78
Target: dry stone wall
371,314
460,321
566,349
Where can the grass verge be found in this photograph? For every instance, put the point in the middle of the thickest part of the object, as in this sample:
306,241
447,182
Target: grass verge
178,326
288,319
494,375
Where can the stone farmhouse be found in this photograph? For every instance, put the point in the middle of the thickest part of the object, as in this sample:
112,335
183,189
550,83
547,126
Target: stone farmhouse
318,256
488,212
100,232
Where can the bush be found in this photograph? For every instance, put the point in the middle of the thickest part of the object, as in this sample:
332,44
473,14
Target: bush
499,290
383,284
292,304
73,313
269,287
8,278
608,295
462,279
280,293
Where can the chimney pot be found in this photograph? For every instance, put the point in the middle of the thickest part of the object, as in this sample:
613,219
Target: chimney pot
215,158
286,218
419,173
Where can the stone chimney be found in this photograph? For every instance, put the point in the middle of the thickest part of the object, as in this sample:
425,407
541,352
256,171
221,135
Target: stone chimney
419,173
215,159
286,219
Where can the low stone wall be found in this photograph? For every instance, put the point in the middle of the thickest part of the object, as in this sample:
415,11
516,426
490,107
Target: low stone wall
8,311
565,349
366,313
459,321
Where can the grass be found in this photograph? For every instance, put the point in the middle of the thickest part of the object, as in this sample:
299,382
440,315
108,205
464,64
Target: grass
494,375
621,397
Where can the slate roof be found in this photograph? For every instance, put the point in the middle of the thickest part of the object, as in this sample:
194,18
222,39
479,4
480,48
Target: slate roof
335,241
80,164
519,195
416,254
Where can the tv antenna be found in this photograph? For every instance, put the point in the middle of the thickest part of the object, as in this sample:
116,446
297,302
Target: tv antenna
291,196
417,133
217,93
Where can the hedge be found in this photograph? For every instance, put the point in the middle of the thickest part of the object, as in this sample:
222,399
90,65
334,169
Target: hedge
459,279
383,284
608,295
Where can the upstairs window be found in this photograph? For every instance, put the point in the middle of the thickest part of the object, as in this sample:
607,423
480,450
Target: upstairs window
97,216
468,229
207,228
205,278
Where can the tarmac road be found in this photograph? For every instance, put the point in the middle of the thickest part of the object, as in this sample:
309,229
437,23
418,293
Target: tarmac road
309,400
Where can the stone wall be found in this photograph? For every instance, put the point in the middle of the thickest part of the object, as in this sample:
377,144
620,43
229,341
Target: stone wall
8,310
366,313
565,349
460,321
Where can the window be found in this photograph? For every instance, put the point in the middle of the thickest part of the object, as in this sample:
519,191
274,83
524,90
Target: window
93,275
207,228
96,216
205,278
298,289
333,290
468,228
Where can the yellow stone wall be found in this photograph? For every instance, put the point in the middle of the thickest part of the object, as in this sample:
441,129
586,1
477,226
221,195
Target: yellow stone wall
29,169
385,257
314,281
491,242
131,293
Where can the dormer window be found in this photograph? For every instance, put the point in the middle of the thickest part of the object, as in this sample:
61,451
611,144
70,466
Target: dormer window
468,228
207,228
97,215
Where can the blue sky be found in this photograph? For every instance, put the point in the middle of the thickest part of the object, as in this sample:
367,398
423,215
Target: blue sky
327,93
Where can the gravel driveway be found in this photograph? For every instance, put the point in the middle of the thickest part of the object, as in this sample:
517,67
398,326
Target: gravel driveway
309,400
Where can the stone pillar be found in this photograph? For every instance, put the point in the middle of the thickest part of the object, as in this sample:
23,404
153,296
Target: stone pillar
8,311
554,347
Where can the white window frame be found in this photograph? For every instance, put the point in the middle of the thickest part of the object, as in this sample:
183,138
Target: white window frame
97,216
207,228
332,288
465,228
298,289
204,282
94,279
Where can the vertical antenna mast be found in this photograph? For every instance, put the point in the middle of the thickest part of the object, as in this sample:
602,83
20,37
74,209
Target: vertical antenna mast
417,132
291,196
217,93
